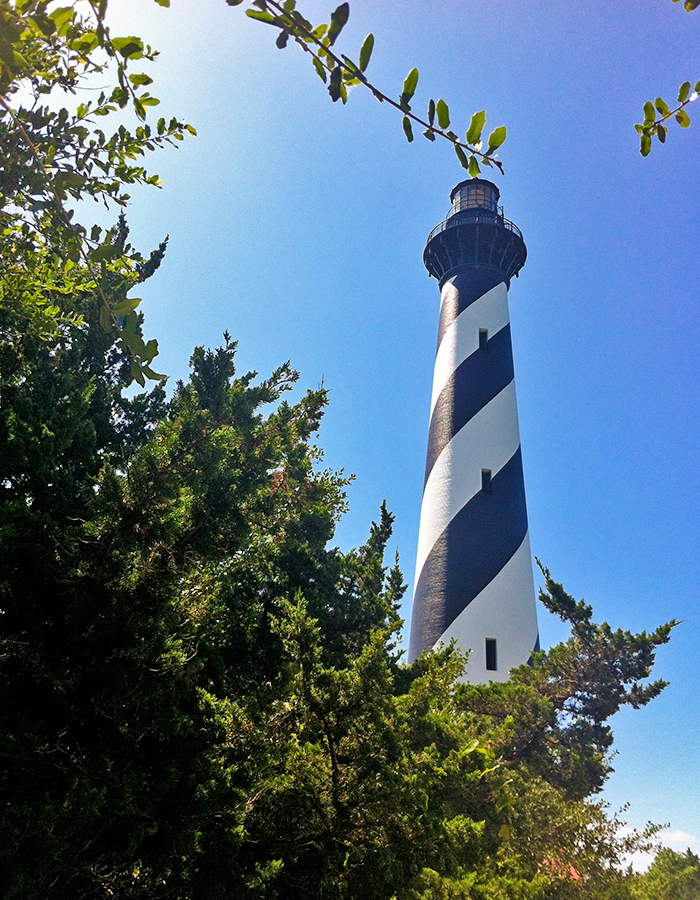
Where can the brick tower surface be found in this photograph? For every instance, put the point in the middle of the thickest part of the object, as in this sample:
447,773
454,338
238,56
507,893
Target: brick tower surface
474,569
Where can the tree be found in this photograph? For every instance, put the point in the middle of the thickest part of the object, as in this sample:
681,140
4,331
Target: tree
672,876
201,697
177,719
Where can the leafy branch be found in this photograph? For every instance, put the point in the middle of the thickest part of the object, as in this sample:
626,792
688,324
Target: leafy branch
653,124
340,73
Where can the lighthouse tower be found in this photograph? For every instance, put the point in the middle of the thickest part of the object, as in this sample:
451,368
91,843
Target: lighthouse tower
474,569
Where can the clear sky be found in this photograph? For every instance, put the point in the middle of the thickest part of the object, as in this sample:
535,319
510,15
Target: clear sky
299,225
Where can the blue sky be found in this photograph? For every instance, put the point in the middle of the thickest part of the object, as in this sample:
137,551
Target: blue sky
299,226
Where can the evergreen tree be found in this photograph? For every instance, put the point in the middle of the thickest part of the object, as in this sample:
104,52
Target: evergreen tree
672,876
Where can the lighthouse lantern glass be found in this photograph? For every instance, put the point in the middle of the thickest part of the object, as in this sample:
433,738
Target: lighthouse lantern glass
475,194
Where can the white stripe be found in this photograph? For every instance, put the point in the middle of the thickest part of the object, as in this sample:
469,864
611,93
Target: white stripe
461,339
504,610
487,441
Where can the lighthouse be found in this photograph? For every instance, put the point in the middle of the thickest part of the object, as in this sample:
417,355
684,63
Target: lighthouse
474,579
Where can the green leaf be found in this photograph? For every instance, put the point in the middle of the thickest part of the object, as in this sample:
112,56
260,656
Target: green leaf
320,69
649,113
496,138
352,75
234,2
128,47
431,112
151,350
690,5
105,319
260,16
129,326
697,87
282,39
134,342
335,83
443,114
429,134
410,85
473,166
125,306
136,373
683,92
461,156
18,61
683,118
661,105
661,134
141,79
165,3
95,233
154,376
476,126
105,252
407,129
339,18
645,145
366,52
62,17
69,179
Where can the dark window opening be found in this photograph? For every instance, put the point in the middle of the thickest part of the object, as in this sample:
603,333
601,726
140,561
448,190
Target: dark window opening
491,665
486,481
483,338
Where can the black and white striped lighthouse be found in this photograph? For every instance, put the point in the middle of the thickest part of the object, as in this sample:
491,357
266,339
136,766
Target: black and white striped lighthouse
474,570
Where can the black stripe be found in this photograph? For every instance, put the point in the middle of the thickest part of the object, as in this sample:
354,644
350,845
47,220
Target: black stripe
469,286
473,384
468,555
535,649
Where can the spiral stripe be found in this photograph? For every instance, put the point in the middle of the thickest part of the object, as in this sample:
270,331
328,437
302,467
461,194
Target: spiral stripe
473,568
493,607
461,338
472,386
471,551
461,291
491,438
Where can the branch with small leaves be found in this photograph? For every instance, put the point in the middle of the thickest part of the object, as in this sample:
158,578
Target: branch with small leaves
658,112
654,124
340,73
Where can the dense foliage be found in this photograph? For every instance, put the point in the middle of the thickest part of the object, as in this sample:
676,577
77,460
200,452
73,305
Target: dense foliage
201,697
672,876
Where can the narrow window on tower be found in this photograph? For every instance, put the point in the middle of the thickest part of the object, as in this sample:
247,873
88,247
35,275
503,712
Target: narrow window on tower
486,481
491,661
483,339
